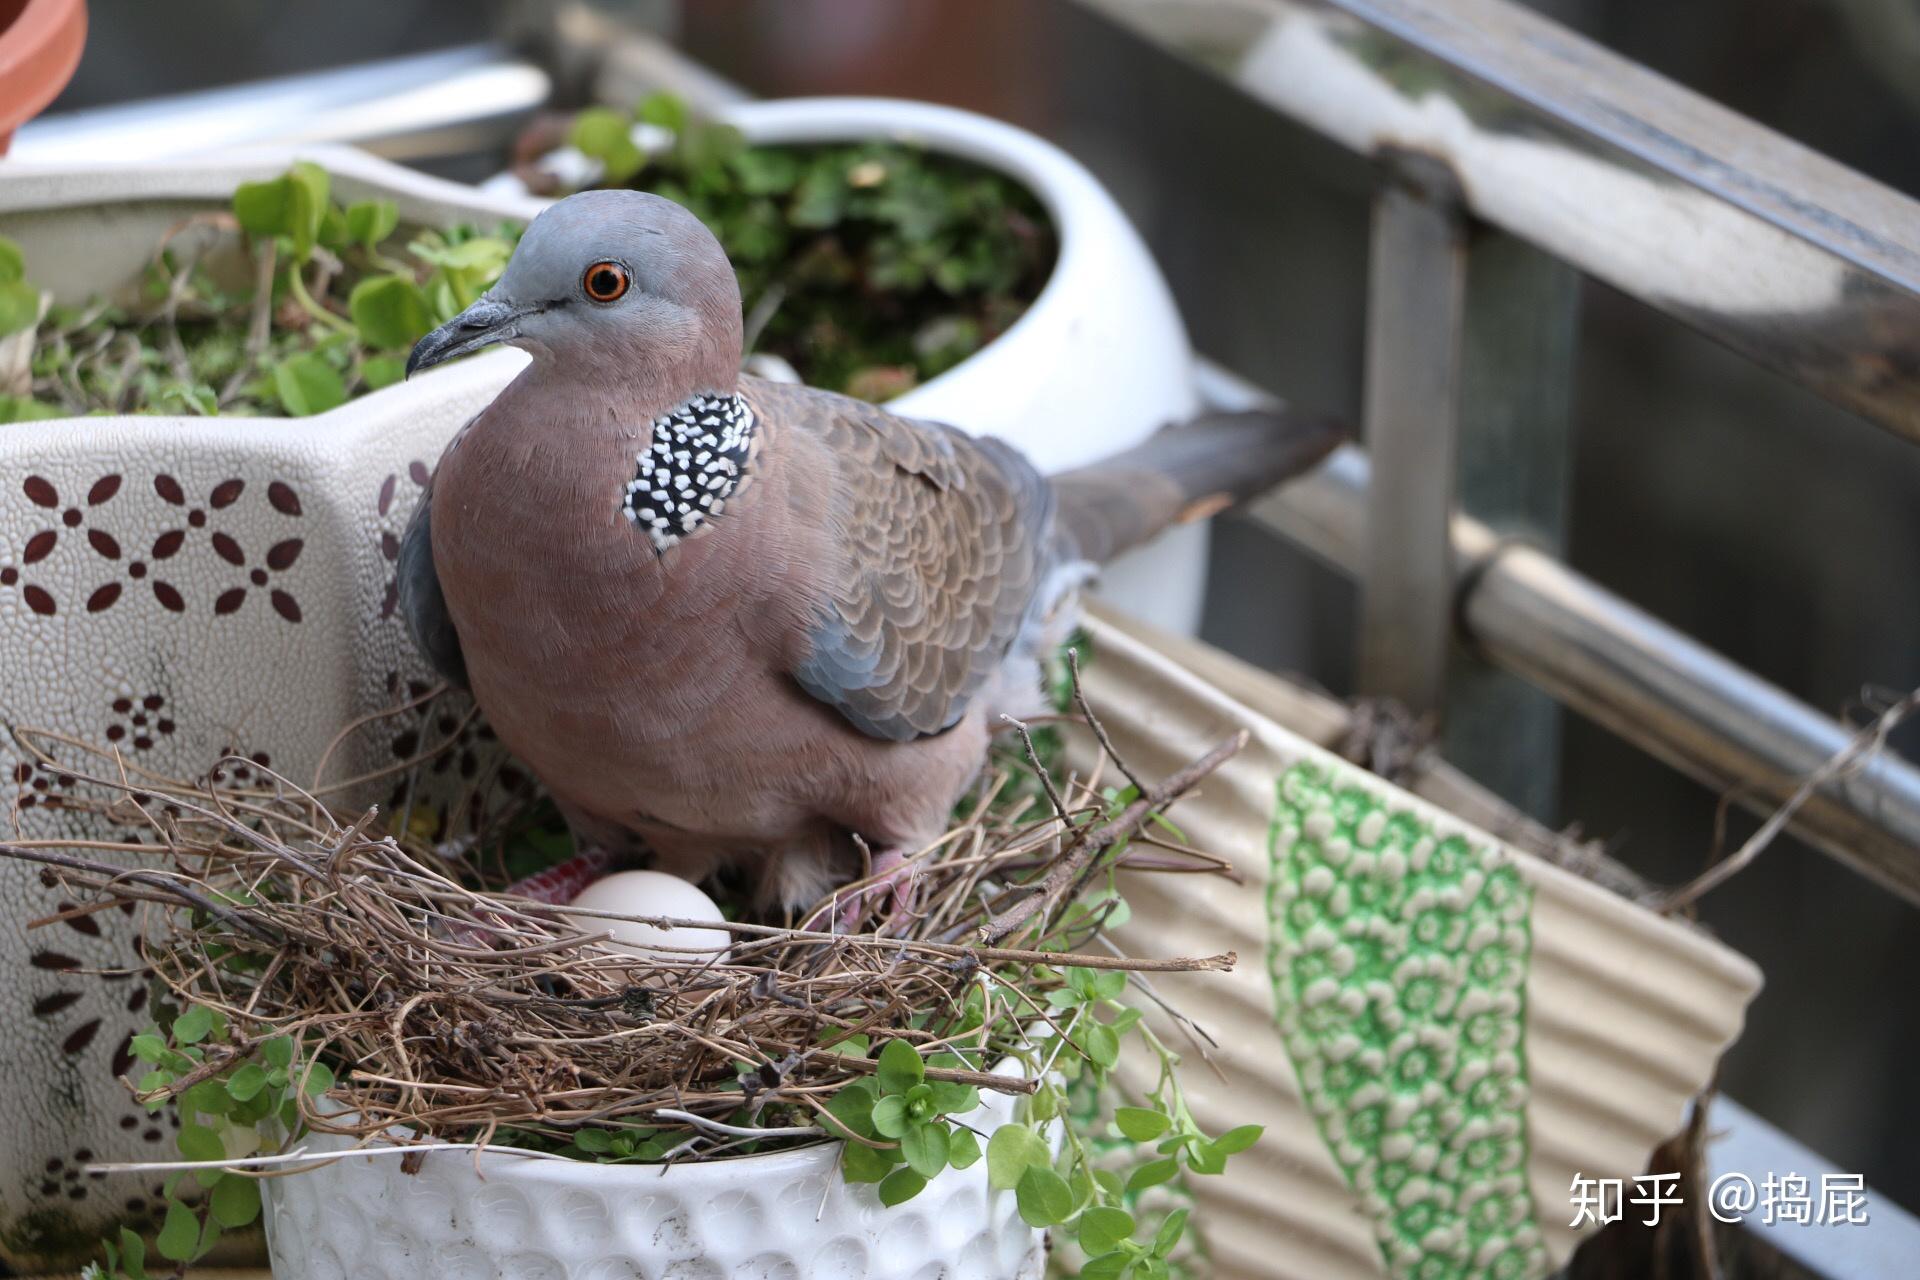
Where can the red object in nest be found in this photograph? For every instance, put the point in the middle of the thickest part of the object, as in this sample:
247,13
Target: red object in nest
40,43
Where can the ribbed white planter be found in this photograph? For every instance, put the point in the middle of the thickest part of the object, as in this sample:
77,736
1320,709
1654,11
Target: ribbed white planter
181,587
785,1216
1438,1031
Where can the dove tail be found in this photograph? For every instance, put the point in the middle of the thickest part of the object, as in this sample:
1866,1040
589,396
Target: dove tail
1186,472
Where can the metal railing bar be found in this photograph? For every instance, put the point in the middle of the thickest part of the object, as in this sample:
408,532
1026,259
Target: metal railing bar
1799,263
1415,305
1640,678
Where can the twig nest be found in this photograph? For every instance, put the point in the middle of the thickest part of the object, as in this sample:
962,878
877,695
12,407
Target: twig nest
652,893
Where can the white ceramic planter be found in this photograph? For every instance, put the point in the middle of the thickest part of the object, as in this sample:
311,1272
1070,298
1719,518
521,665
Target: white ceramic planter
786,1216
1097,363
182,587
1575,1051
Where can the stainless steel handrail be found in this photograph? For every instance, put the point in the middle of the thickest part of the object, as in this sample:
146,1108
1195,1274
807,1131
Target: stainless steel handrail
1659,689
1800,263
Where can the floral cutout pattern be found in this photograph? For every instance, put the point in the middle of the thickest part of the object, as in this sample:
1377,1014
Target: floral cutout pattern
1399,962
84,525
393,515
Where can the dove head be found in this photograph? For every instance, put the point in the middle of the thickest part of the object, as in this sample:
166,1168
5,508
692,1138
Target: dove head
609,288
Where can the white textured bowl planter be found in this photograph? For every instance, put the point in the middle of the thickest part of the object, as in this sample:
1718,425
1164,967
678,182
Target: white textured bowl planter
1097,363
1437,1030
180,588
785,1216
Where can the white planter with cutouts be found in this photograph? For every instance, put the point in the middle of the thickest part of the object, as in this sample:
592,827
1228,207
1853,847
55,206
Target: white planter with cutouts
183,587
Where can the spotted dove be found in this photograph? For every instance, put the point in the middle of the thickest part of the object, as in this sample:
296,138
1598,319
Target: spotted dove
734,621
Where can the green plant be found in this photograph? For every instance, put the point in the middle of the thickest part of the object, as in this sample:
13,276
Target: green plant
311,304
232,1104
869,266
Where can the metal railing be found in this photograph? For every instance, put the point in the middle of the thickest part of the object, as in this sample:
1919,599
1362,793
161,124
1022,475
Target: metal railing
1480,111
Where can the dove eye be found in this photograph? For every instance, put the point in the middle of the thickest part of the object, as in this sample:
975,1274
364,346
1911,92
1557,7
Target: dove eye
605,281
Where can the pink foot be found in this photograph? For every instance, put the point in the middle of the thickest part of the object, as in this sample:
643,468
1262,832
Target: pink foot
556,886
563,881
890,876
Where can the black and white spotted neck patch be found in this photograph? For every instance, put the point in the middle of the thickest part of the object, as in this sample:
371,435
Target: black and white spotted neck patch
697,459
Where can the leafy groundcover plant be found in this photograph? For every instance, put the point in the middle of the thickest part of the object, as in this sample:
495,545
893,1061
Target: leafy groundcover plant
870,267
324,976
285,304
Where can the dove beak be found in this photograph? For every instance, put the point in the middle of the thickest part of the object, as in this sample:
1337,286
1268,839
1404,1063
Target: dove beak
487,322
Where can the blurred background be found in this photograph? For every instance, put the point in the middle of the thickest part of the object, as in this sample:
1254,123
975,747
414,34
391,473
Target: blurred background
1750,514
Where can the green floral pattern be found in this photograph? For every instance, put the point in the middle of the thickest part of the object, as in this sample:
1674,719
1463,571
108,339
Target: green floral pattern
1399,963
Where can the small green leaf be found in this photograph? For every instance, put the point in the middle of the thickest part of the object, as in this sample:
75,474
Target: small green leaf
951,1099
1043,1197
1141,1124
890,1116
179,1235
1102,1228
852,1108
1100,1044
594,1141
148,1048
234,1201
900,1067
371,221
607,136
306,385
209,1097
963,1148
13,261
1152,1174
666,110
192,1026
925,1147
382,371
1110,985
1108,1266
19,306
133,1255
390,311
900,1186
278,1051
1011,1150
246,1083
1206,1157
1169,1234
198,1142
27,409
861,1163
1234,1141
319,1078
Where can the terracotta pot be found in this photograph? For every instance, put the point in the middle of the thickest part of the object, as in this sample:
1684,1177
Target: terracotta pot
40,46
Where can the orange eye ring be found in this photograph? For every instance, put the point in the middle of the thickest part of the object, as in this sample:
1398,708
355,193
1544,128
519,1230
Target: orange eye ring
605,281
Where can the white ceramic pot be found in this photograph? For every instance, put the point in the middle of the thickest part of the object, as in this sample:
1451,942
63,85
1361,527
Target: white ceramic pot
1097,363
1437,1030
182,587
785,1216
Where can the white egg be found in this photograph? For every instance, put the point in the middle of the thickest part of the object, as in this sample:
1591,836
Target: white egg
651,893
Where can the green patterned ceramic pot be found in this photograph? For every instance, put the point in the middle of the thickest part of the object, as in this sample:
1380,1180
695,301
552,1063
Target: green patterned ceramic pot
1437,1030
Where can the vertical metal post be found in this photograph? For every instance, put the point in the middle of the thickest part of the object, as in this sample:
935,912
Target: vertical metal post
1516,395
1415,301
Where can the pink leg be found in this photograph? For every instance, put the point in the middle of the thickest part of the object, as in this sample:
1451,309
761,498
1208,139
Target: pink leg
558,884
891,877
